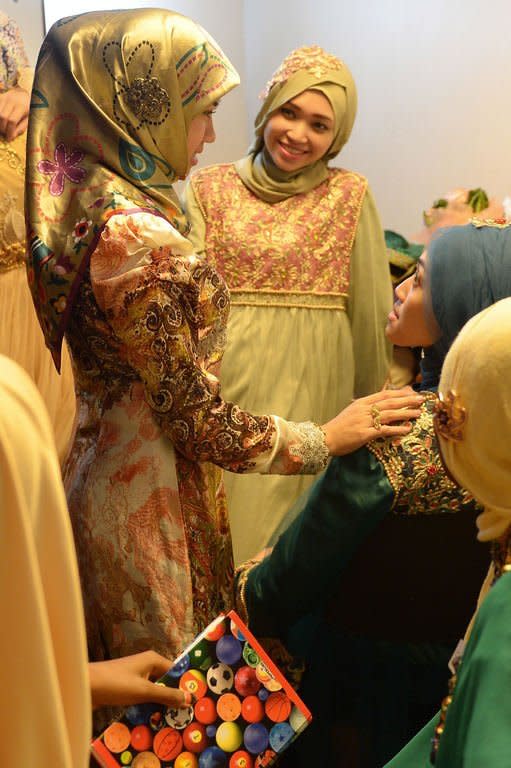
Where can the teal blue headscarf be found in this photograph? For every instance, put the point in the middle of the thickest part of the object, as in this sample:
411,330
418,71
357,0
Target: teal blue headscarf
468,269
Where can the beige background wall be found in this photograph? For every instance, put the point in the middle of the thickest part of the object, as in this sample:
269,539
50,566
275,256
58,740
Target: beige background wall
433,81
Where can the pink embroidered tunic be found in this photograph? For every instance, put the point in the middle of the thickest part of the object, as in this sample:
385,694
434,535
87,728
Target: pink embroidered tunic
144,475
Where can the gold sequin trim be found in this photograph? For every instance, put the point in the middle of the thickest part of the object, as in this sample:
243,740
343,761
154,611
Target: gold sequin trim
11,257
288,299
9,156
497,223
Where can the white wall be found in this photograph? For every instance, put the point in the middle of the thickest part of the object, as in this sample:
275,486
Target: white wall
433,81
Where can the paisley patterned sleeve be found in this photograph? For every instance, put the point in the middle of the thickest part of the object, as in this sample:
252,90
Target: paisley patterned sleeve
169,310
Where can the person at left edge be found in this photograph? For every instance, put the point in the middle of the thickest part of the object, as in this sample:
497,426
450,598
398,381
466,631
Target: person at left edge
110,266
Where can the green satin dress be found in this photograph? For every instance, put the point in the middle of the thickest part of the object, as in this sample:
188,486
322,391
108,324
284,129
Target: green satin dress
372,584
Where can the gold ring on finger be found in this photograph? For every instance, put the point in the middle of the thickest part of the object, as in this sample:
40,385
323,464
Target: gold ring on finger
376,417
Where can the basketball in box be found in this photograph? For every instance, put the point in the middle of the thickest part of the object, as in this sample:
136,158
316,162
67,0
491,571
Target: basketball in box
245,712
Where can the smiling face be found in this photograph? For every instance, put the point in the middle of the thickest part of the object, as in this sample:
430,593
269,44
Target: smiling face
300,132
406,324
201,131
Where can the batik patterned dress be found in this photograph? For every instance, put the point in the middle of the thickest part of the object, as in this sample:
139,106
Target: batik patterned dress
144,475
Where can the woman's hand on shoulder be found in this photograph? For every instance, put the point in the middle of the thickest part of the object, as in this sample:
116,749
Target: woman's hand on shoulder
14,108
129,680
384,414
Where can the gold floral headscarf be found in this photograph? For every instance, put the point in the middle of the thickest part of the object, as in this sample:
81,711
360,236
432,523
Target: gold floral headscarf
12,53
303,69
114,95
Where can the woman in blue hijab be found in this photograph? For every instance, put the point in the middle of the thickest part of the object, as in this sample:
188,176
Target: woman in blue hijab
376,578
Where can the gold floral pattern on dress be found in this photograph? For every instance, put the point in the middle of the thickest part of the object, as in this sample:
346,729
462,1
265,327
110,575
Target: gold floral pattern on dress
315,233
415,471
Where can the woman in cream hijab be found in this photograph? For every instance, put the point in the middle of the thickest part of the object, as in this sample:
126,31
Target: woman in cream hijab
473,423
20,333
301,247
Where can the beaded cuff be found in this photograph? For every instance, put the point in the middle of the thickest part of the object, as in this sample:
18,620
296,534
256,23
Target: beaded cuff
312,449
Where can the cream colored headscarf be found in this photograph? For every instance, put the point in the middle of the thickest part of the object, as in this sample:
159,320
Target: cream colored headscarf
45,685
113,98
474,422
303,69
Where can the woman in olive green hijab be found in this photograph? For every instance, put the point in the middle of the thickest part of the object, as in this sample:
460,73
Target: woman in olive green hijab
301,248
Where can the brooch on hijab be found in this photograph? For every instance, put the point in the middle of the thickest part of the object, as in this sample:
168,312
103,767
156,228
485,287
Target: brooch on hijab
449,416
147,99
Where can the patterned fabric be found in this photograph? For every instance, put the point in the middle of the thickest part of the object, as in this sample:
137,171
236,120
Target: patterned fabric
414,468
114,135
145,496
12,222
316,229
12,53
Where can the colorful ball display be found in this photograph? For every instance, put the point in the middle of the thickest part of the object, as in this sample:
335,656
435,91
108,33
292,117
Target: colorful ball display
179,667
246,682
220,678
236,631
228,707
265,759
141,738
228,649
250,656
216,632
280,736
278,707
201,656
252,709
241,759
117,737
195,738
145,760
186,760
179,718
205,711
194,682
167,744
229,736
212,757
255,738
296,719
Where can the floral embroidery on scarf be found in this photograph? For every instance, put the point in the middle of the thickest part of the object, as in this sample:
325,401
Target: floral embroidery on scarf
65,166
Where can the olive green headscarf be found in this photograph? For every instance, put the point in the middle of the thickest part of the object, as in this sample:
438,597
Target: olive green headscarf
307,68
113,98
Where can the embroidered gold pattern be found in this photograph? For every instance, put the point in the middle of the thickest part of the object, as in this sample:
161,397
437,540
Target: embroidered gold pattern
449,416
498,223
311,59
288,299
314,233
146,98
414,469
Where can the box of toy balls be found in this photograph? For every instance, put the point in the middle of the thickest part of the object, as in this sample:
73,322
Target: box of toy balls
244,715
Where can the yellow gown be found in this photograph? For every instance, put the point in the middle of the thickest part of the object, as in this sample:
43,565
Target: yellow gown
21,337
310,293
44,697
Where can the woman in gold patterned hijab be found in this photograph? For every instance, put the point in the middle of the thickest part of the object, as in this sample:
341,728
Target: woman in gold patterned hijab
301,247
145,318
20,334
